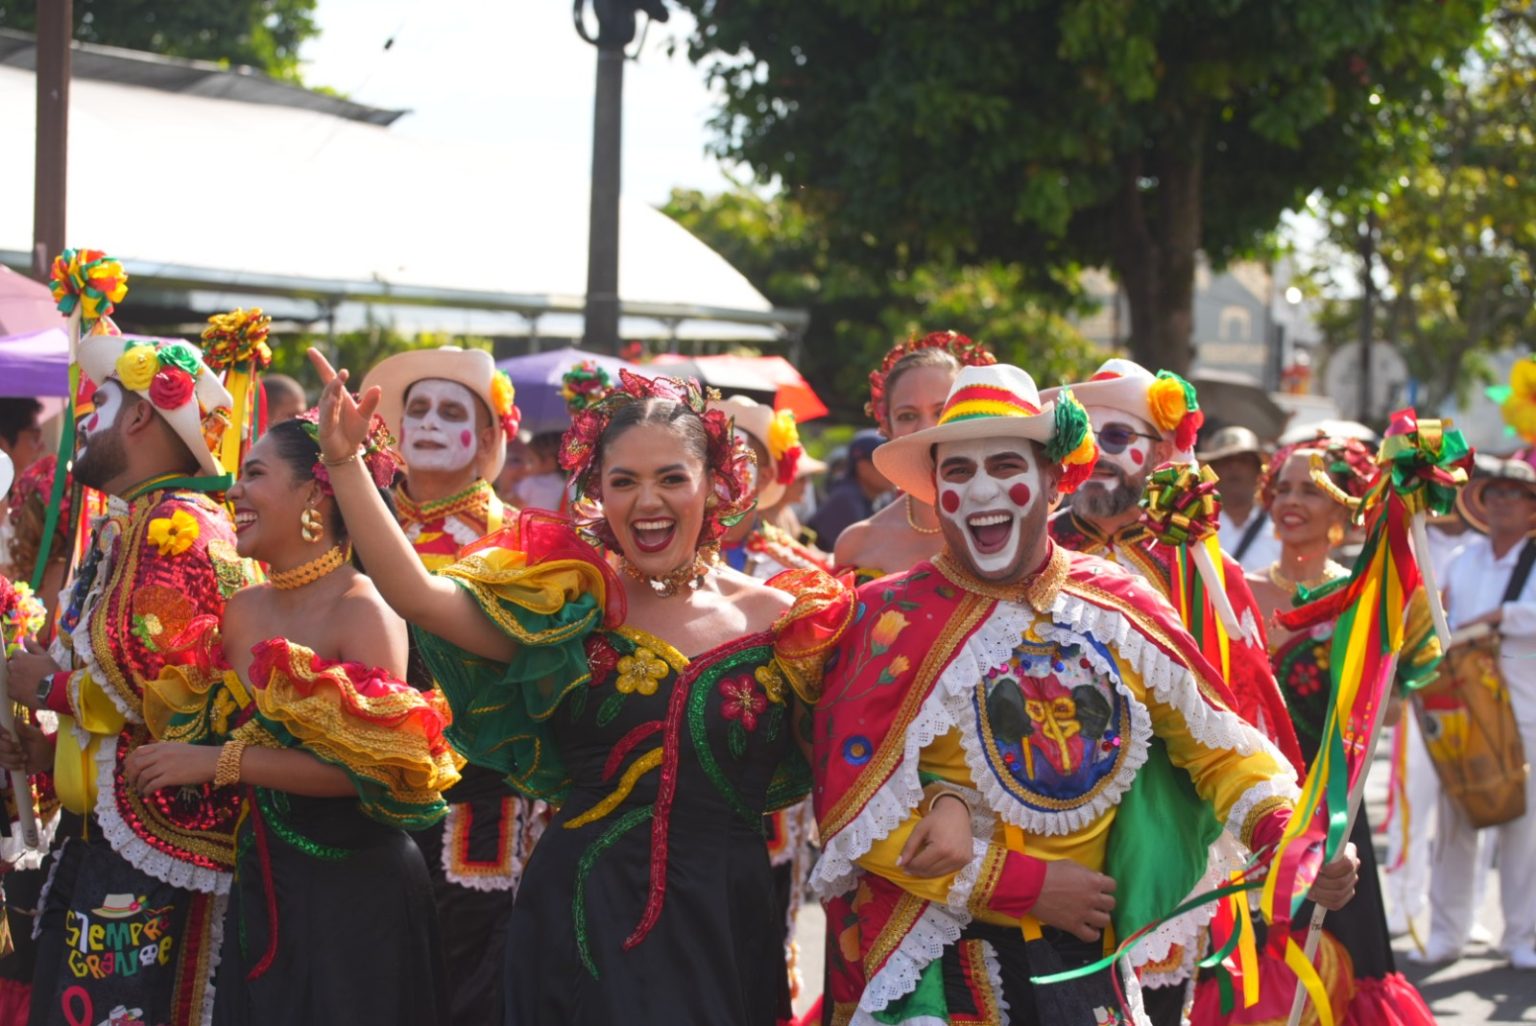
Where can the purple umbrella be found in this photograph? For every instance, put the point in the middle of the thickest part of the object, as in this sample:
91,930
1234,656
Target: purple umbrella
25,305
536,377
35,364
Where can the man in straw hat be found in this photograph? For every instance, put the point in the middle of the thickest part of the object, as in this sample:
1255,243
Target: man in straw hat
1247,535
149,423
997,704
1143,421
1489,581
453,411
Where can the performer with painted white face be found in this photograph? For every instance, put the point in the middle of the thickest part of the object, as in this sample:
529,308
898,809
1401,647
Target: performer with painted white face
993,707
452,412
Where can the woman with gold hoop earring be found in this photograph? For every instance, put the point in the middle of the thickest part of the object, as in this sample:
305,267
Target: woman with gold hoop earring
1309,488
297,698
906,395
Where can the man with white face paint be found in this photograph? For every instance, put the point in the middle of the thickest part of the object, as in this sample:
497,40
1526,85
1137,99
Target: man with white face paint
1143,421
991,709
453,411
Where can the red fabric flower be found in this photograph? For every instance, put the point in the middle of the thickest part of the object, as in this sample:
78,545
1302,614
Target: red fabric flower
743,701
601,657
171,388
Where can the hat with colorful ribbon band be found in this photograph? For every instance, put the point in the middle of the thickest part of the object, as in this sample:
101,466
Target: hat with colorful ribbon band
998,401
172,375
475,369
1162,400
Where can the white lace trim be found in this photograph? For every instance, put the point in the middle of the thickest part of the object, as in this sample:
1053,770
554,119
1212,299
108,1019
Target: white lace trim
137,852
215,955
1225,856
1274,787
15,852
936,929
505,880
995,978
461,532
1133,1001
1168,680
80,638
42,895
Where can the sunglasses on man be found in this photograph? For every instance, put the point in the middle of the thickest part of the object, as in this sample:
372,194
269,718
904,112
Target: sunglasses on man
1116,438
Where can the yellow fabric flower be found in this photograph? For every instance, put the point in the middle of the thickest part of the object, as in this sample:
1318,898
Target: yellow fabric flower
174,534
888,628
783,434
502,393
137,366
772,680
1165,396
641,672
1085,452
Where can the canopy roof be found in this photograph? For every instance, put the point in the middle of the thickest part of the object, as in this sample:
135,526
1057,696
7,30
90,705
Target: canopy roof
202,182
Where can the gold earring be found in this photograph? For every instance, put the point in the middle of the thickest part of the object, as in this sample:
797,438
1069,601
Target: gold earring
1335,535
311,526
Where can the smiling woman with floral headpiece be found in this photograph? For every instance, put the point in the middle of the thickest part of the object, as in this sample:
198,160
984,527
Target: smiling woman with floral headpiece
651,706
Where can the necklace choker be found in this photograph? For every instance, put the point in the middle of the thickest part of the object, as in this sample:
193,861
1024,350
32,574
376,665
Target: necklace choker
308,573
1331,572
690,576
912,521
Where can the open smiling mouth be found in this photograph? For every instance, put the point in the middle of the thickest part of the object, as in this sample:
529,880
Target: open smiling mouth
243,519
655,534
990,531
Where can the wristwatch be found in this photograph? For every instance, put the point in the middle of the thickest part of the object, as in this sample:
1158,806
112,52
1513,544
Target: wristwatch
44,689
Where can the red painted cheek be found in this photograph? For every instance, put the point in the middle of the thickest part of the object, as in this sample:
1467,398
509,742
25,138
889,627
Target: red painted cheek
1137,457
1020,494
950,501
465,438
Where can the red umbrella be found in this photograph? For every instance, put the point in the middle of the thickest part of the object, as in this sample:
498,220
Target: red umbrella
25,305
755,374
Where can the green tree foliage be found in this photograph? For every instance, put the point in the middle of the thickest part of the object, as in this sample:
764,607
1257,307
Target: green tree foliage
1118,133
858,312
1456,238
264,34
358,351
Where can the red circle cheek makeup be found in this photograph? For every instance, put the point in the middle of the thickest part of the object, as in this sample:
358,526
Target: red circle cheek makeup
1137,457
1020,494
950,501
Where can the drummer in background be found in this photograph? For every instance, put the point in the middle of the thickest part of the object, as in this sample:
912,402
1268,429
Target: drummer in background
1502,508
1246,534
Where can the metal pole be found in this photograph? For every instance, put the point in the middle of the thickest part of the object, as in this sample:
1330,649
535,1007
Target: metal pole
55,24
602,310
1367,313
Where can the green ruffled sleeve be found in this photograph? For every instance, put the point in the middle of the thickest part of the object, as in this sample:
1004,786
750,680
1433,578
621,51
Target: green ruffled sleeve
500,710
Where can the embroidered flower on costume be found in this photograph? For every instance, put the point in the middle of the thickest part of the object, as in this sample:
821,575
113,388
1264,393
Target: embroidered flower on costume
174,534
772,680
857,750
887,629
601,657
641,672
137,367
1308,681
743,701
898,666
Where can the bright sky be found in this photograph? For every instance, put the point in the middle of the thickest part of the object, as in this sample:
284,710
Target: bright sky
515,70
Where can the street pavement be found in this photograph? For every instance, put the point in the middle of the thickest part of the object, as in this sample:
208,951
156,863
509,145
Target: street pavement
1479,989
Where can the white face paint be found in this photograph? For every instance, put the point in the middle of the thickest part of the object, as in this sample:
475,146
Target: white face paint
1137,451
985,489
437,428
108,401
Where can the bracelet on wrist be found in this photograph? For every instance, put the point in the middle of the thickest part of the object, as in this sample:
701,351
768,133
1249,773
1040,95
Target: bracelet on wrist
342,461
227,772
933,792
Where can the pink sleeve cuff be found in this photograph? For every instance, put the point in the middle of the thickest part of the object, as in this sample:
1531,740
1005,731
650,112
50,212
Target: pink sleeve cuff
1018,886
58,698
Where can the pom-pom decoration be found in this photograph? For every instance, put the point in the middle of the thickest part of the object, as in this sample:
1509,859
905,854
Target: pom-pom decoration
1517,400
1180,505
87,282
1072,445
729,460
502,395
379,454
1175,408
967,351
784,445
584,385
237,338
22,614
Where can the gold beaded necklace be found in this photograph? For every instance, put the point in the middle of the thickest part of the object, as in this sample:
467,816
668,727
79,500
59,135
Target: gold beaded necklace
308,573
690,575
912,523
1331,572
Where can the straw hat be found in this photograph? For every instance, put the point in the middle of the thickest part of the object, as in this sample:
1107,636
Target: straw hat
473,368
1231,441
989,402
1473,498
172,375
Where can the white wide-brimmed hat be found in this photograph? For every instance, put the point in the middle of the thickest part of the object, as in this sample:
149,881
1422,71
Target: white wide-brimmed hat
1163,400
999,401
475,369
780,438
172,375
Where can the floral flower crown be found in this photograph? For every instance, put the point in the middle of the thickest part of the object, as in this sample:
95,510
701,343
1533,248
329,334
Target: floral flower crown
583,385
1175,408
166,371
379,454
238,337
967,351
502,405
1350,463
729,461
